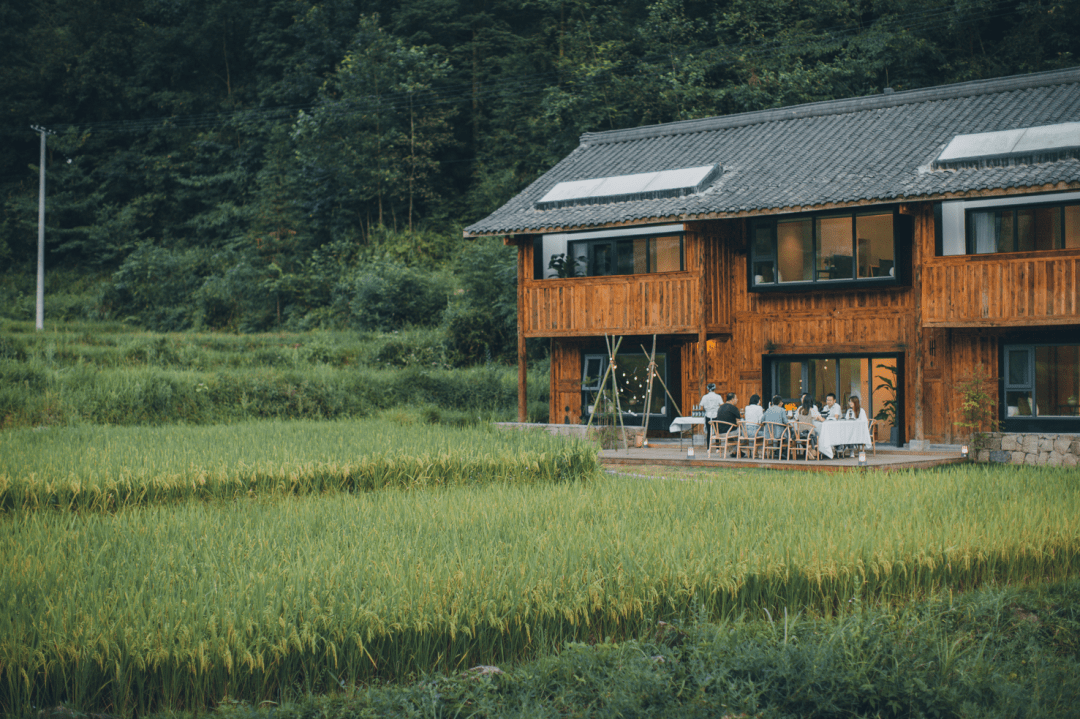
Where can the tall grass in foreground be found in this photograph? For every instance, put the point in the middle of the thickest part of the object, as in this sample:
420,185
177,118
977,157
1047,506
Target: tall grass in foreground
182,606
105,468
1001,652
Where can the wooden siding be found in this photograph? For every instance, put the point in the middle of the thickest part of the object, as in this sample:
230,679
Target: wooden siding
721,243
565,402
1002,291
666,303
946,326
963,354
671,303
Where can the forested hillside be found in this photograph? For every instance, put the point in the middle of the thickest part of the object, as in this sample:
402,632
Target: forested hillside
258,164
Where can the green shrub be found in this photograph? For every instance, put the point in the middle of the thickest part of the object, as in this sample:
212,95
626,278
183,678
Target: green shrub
388,295
151,287
481,320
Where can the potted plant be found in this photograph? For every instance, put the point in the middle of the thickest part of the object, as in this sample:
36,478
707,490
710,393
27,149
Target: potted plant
890,408
565,265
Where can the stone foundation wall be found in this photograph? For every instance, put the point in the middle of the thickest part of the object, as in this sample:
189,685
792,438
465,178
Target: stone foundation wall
1054,450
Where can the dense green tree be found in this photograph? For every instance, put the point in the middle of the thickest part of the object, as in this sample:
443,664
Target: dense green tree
282,146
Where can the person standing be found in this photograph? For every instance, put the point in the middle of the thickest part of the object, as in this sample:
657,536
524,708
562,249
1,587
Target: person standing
710,402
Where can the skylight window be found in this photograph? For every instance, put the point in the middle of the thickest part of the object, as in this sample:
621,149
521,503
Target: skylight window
624,188
1010,147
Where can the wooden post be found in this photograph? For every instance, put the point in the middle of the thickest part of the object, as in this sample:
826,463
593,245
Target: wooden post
703,354
915,354
523,398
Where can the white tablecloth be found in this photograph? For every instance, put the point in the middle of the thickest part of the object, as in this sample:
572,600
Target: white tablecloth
681,424
842,431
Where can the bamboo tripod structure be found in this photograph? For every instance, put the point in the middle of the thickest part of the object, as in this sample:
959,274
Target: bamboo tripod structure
613,350
612,344
648,389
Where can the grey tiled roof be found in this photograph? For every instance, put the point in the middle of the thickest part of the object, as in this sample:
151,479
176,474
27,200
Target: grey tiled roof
876,148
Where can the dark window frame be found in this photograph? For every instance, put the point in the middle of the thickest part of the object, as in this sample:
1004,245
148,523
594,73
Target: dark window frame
903,229
613,242
769,372
969,226
1029,423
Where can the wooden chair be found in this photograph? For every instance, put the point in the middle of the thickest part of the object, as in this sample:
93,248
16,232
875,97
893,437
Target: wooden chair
776,437
749,437
805,445
720,439
873,436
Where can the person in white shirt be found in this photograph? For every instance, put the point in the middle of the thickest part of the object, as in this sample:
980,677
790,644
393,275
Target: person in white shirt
752,414
831,410
855,410
710,402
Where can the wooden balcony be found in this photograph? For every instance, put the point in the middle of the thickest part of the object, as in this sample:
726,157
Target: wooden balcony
1016,290
667,303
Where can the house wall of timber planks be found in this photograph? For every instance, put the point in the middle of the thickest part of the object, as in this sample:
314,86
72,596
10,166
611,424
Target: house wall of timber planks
982,276
948,324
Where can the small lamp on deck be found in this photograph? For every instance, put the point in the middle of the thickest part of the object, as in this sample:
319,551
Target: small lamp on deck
964,451
862,457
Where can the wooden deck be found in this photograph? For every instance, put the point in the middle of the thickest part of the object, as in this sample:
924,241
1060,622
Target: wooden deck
670,454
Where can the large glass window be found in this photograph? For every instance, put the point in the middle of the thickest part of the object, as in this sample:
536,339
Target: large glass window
795,250
1042,380
631,256
850,247
609,252
874,380
1023,229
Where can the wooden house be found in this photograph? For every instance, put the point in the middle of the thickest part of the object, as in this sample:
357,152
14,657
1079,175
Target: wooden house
888,246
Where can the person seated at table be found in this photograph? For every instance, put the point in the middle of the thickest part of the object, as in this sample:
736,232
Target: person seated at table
775,412
855,410
752,414
831,410
710,403
728,415
804,419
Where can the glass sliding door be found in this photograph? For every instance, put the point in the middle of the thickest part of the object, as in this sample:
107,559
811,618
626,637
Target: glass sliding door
790,380
874,380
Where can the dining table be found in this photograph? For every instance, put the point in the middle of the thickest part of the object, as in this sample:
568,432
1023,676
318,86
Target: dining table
837,432
683,424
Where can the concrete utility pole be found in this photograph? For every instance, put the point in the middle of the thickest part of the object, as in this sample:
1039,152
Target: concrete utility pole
40,324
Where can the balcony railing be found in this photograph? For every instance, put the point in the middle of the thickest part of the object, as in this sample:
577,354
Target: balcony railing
1012,290
668,303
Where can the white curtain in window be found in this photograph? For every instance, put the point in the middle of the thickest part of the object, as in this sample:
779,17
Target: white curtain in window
985,228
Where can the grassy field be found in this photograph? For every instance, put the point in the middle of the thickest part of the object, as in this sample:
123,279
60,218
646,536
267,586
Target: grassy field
99,373
177,606
192,520
995,652
106,468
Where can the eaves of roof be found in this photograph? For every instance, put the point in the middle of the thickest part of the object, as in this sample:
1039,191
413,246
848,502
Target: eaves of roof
855,151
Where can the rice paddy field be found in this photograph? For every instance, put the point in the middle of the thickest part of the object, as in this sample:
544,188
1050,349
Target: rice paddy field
100,468
157,594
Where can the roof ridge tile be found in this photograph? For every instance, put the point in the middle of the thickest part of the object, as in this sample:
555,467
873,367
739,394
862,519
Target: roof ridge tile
841,106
